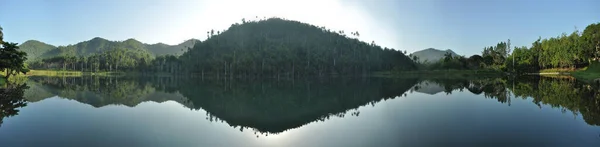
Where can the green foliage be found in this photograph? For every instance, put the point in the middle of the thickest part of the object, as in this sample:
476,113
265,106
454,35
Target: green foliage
12,60
524,60
590,74
2,80
1,36
591,40
570,51
456,62
35,49
565,51
38,50
161,49
289,48
495,56
118,59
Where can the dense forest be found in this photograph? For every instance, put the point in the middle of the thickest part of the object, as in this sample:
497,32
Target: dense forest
37,50
575,50
578,49
269,47
100,54
282,47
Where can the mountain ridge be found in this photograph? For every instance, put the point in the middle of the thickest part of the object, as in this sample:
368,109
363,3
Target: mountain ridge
431,55
36,49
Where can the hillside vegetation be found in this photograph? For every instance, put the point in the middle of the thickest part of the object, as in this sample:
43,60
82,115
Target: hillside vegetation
282,47
37,50
270,47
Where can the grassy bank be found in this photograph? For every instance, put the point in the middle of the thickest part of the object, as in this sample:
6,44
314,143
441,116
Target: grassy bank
70,73
444,74
53,73
561,70
590,73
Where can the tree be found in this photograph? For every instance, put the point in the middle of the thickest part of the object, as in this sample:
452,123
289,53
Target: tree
475,62
591,37
12,60
1,36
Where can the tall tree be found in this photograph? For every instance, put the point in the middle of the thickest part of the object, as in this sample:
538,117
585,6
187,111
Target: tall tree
1,35
12,60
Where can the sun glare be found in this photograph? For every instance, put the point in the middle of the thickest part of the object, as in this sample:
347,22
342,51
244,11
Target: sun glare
332,14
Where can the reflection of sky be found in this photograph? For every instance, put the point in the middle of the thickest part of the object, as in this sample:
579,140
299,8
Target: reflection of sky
416,120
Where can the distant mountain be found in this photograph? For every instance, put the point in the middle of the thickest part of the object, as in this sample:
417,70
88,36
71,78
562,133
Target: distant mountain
164,49
35,48
432,55
39,50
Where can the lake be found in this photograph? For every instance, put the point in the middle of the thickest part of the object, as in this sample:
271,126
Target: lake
327,112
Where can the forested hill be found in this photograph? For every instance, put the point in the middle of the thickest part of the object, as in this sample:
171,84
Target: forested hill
160,49
282,47
37,50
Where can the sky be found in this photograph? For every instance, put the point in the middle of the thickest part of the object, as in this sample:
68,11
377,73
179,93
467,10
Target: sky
465,26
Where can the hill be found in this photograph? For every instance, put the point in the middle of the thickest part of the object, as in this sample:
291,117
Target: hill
39,50
160,49
281,47
35,48
431,55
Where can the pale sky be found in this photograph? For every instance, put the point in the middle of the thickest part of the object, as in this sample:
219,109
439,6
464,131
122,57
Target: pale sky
465,26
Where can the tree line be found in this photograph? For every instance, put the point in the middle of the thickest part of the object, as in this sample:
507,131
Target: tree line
113,60
575,50
268,47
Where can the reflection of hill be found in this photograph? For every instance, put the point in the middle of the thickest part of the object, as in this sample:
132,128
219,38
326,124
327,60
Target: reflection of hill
36,92
274,107
98,92
428,87
265,105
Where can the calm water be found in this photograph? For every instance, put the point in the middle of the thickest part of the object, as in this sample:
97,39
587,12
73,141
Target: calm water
342,112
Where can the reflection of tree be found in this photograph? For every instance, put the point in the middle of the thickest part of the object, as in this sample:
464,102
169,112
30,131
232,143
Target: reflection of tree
11,98
273,107
566,94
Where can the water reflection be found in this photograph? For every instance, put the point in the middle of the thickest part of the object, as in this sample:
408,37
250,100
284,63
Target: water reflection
11,99
566,94
269,106
274,106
